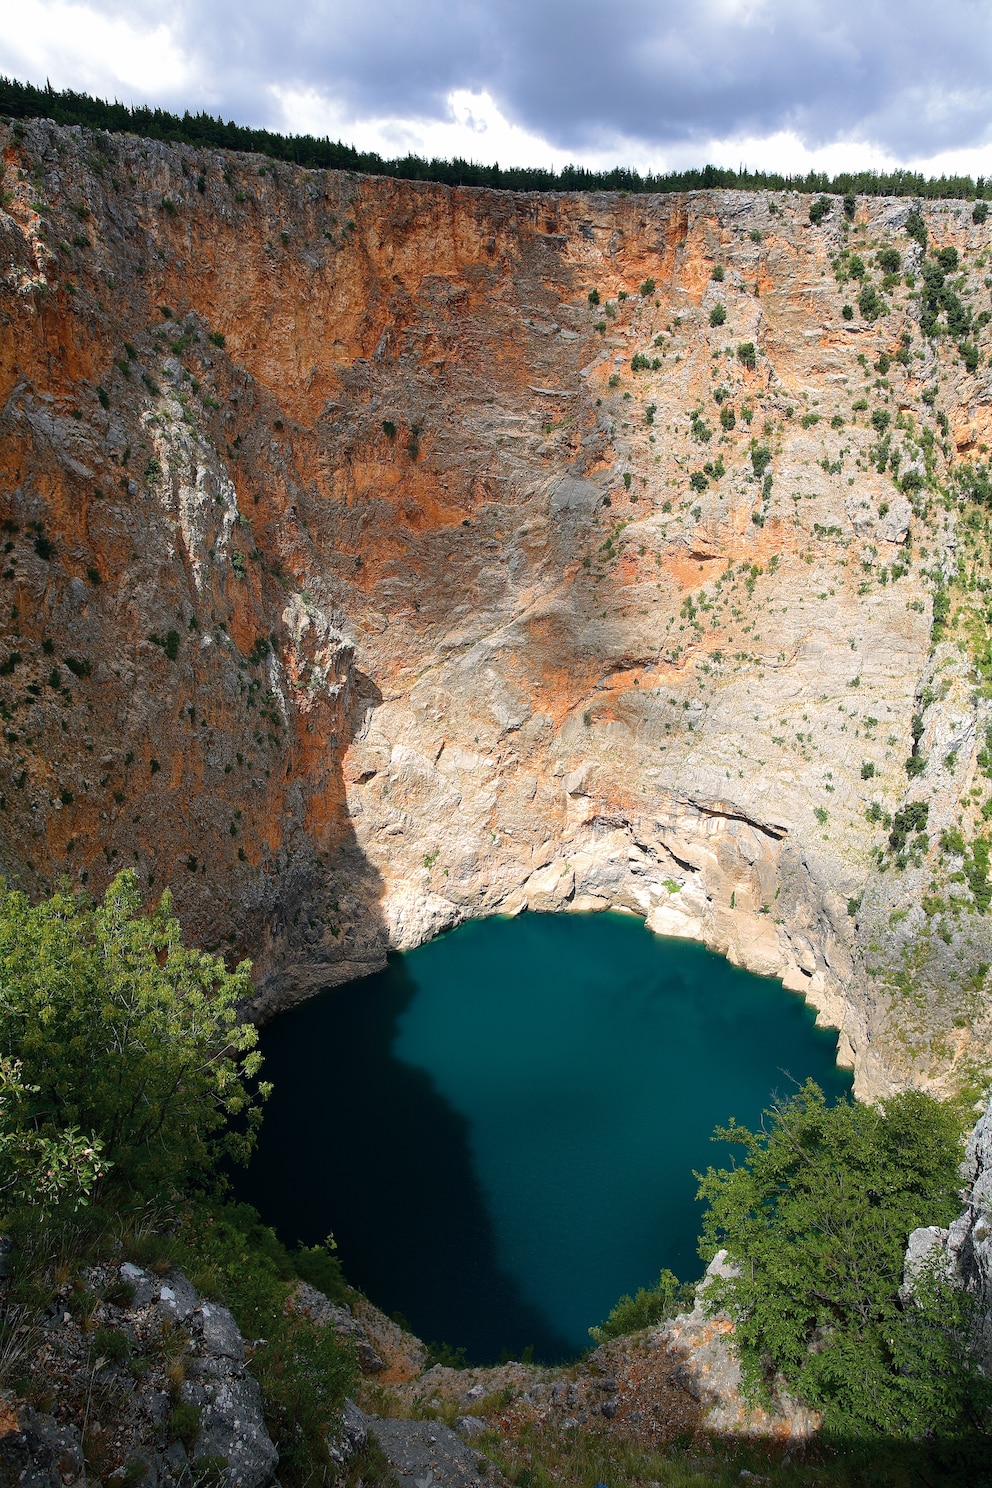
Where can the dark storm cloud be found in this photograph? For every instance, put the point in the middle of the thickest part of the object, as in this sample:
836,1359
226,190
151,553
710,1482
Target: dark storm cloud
910,75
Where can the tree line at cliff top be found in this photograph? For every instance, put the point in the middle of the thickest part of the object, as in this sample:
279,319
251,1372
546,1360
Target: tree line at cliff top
25,101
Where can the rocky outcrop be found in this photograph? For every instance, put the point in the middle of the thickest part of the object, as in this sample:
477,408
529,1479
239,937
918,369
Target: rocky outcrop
963,1251
146,1381
711,1373
380,554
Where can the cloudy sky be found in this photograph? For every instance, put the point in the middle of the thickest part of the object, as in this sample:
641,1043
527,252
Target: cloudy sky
657,84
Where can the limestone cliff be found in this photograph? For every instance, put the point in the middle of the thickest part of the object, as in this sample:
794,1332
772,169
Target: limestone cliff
379,554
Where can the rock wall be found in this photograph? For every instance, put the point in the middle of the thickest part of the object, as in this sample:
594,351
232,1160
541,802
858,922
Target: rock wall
356,582
966,1245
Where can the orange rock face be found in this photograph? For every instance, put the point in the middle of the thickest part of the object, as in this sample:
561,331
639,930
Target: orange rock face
356,582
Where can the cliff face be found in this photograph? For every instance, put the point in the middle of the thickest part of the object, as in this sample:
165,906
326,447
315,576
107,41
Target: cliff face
354,583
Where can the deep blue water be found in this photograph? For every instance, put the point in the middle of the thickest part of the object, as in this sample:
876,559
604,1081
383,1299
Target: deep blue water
501,1128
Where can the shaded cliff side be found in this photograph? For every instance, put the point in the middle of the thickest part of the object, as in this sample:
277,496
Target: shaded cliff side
379,554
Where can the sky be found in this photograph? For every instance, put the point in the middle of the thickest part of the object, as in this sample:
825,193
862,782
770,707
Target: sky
653,84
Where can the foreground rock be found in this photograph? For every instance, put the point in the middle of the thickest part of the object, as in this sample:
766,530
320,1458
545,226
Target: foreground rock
428,1454
711,1372
154,1389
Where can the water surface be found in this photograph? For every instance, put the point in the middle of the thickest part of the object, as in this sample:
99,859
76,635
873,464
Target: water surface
501,1128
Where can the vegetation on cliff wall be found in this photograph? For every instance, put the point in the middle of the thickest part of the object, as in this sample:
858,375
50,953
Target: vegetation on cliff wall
817,1220
24,101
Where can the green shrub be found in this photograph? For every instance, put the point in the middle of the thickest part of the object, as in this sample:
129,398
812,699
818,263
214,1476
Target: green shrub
727,418
718,315
867,770
947,258
761,458
183,1425
125,1033
850,204
888,260
717,273
819,209
594,297
112,1344
916,228
218,338
817,1216
880,419
856,267
980,211
698,481
847,311
746,355
647,288
870,303
647,1307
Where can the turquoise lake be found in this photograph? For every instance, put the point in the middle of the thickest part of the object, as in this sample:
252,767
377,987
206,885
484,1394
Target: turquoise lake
501,1128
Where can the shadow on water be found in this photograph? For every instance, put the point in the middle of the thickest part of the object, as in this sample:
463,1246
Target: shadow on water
366,1111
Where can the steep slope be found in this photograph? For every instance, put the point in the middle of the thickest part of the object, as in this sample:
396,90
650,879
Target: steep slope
380,554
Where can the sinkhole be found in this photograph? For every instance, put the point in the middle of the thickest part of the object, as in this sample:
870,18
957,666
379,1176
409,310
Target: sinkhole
500,1129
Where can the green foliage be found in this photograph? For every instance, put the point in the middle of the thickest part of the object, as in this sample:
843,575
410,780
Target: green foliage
305,1370
817,1217
125,1033
183,1425
888,260
648,1306
847,311
718,315
870,303
819,209
912,817
321,1267
41,1165
947,258
647,288
746,355
850,204
916,228
717,273
594,297
698,481
880,419
727,418
856,267
761,458
976,869
980,212
867,770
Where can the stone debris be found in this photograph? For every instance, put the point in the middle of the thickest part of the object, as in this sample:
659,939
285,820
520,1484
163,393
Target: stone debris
129,1412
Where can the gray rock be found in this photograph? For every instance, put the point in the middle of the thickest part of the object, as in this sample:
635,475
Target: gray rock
219,1333
177,1297
145,1286
233,1427
573,494
471,1427
427,1454
354,1426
